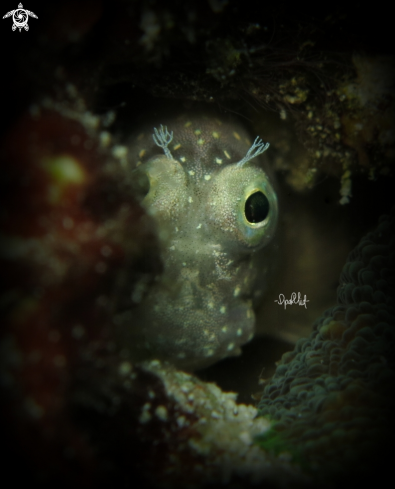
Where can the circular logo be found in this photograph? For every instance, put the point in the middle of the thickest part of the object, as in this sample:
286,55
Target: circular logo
20,19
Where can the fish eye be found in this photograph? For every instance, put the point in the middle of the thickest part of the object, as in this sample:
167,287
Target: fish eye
257,207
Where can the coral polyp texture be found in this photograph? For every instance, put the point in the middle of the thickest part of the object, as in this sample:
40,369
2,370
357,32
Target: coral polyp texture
205,185
331,399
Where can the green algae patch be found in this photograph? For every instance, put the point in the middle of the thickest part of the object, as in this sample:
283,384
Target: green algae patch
64,170
276,444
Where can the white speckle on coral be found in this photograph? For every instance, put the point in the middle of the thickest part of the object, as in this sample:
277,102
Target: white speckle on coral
105,139
125,368
161,413
119,151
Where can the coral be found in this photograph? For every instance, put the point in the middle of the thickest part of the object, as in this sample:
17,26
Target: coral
332,397
74,241
177,431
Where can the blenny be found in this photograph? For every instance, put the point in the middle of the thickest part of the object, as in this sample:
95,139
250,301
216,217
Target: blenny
207,188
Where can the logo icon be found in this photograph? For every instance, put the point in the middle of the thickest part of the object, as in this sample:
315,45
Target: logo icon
20,16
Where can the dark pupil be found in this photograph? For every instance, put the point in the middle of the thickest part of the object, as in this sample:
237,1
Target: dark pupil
257,207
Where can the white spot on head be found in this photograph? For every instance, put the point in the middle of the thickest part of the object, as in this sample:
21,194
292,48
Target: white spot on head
208,352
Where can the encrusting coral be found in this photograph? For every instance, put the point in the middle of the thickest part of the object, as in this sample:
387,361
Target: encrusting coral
331,399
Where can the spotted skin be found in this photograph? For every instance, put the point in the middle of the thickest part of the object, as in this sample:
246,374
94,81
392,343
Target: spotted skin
215,261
